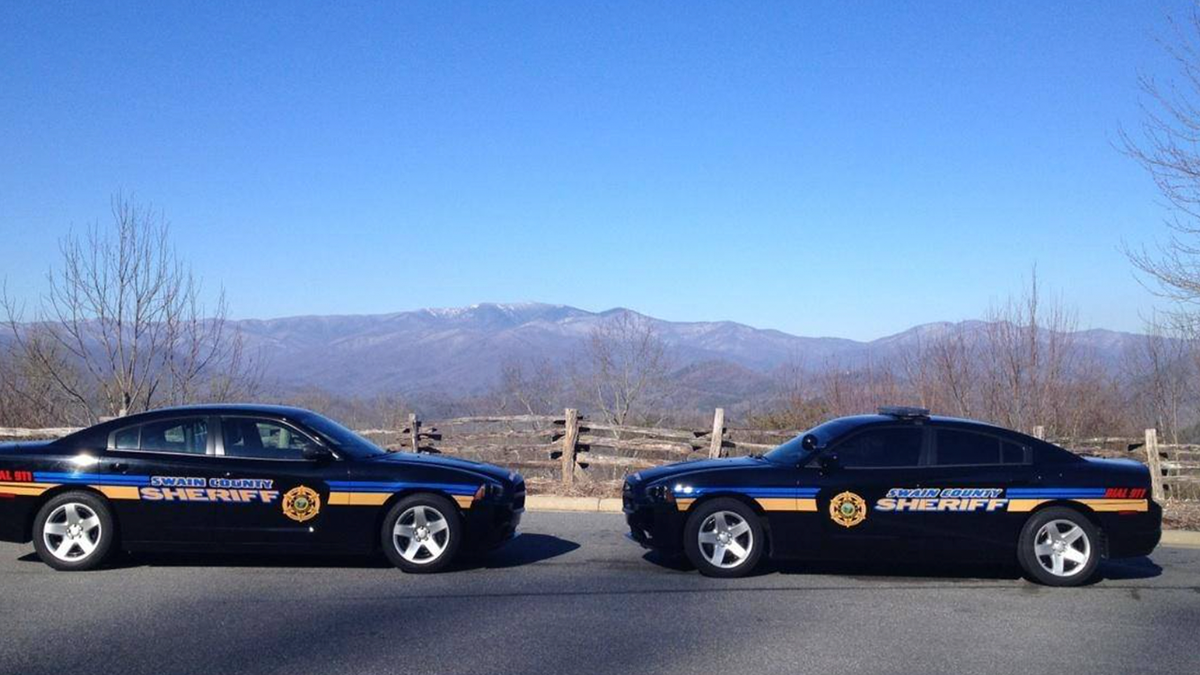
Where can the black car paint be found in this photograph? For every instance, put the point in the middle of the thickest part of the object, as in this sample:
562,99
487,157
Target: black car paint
252,525
657,522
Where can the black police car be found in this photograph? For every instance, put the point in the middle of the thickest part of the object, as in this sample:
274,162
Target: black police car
248,478
900,485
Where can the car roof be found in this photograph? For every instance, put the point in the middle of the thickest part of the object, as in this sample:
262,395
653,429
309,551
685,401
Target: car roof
280,411
849,423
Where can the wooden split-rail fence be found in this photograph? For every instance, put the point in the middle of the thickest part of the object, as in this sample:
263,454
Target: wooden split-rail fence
563,451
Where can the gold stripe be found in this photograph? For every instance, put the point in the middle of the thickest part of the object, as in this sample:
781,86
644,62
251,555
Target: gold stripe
117,492
777,503
25,489
1115,504
683,504
464,501
358,498
1024,505
806,505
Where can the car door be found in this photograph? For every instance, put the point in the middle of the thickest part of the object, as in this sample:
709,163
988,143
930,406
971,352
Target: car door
154,473
855,473
964,490
276,496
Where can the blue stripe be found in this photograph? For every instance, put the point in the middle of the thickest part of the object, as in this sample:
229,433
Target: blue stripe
369,486
90,478
764,492
1055,493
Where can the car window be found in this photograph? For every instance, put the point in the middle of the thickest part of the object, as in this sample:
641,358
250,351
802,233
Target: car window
881,448
181,436
1011,453
262,439
956,448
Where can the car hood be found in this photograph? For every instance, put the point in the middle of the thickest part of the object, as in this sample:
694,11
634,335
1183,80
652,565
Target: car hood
670,471
488,470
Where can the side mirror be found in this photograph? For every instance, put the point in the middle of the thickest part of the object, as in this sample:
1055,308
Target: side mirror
809,442
316,453
829,462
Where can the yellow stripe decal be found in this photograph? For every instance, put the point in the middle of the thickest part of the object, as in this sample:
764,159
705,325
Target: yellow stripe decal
1024,505
25,489
684,504
358,498
118,491
1115,504
464,501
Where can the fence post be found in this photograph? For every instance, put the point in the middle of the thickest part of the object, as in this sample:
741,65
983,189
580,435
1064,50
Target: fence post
1039,432
570,438
1154,463
414,431
718,433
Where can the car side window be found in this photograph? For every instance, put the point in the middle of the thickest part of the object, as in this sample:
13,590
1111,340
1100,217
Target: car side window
957,448
188,436
1011,453
257,438
882,448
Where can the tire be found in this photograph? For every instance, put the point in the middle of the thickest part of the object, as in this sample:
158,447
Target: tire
74,531
724,538
1059,547
414,550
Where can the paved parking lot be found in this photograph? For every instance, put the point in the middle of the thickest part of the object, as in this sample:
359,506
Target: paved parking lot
571,595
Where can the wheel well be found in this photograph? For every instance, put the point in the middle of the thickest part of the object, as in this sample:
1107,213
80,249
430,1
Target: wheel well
397,496
748,501
63,489
1081,509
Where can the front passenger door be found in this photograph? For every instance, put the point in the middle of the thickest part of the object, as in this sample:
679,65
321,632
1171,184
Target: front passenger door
859,471
278,496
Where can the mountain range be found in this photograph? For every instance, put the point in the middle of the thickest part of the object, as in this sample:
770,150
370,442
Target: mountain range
459,352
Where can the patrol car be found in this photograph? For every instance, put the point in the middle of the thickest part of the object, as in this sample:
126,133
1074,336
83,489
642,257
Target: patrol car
900,485
247,478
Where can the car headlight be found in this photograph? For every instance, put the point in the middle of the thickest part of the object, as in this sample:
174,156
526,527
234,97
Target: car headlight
489,491
661,493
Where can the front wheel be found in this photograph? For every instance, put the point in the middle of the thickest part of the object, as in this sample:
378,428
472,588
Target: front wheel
74,531
421,533
1059,547
724,538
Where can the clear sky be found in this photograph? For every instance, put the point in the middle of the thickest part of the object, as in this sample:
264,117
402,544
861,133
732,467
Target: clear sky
825,168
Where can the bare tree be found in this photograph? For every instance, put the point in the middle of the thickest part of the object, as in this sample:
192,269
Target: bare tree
1167,145
628,369
124,311
1027,355
530,387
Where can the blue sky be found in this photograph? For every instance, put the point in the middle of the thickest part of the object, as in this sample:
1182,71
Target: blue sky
825,168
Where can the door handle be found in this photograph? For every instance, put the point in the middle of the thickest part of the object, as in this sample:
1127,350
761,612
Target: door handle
119,466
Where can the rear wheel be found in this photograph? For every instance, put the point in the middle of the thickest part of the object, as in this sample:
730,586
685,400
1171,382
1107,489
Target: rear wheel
1059,547
724,538
74,531
421,533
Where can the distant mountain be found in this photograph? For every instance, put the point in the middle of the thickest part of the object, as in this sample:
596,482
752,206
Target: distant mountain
459,351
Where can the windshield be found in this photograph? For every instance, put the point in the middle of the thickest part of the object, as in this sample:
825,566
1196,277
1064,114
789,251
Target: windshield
347,441
789,453
792,452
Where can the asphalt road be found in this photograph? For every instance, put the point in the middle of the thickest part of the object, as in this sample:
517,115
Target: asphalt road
572,595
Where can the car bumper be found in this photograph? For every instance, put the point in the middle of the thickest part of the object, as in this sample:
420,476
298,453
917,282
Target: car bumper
656,526
1134,534
491,525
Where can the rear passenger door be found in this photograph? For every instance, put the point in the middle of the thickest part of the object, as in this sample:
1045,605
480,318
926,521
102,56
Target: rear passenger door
150,468
966,483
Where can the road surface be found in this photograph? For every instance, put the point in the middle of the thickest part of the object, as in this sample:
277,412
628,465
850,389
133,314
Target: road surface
573,596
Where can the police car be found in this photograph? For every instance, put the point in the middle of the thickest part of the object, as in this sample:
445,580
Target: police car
247,478
900,485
